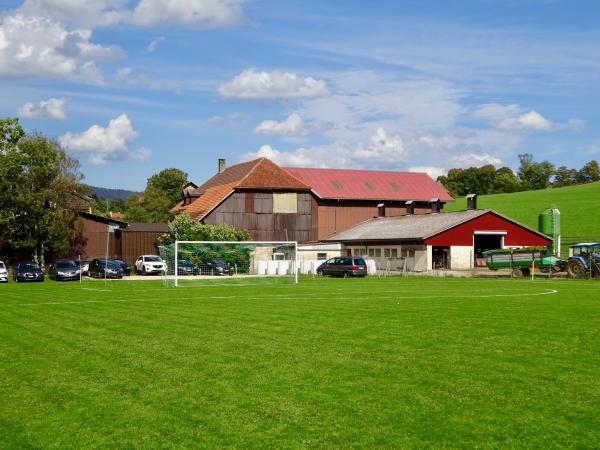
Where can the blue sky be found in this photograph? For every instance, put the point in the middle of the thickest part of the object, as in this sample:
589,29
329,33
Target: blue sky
133,87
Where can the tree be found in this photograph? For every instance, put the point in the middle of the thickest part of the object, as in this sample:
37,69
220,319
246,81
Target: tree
565,177
589,172
505,180
37,188
534,175
169,182
184,228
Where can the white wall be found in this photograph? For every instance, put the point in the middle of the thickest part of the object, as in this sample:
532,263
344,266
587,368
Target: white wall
461,257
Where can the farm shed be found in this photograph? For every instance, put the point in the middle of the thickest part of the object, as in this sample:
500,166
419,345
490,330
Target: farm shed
453,240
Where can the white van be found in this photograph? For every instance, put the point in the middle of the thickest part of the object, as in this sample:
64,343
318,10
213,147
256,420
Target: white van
3,273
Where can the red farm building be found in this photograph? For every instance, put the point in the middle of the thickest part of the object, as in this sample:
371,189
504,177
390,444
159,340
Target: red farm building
453,240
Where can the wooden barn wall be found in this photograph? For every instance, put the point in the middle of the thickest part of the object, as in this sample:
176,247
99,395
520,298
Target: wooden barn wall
334,217
136,243
253,211
95,235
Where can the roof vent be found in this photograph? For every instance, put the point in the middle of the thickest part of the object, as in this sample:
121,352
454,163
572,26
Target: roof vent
410,208
472,201
381,210
221,167
436,205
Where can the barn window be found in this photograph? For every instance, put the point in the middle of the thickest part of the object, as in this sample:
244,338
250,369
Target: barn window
321,256
285,202
394,252
386,252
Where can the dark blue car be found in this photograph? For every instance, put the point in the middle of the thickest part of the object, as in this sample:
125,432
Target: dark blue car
28,271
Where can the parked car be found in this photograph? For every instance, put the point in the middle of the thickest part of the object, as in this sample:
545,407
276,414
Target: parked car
186,267
28,271
216,267
343,266
124,266
84,266
3,273
105,268
150,265
64,270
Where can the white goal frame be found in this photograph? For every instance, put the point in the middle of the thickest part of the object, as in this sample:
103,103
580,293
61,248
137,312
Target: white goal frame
293,244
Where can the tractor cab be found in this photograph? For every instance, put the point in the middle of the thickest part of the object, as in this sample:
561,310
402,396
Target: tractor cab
584,257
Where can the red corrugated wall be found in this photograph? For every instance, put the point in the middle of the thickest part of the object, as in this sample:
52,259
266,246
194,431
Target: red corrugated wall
516,235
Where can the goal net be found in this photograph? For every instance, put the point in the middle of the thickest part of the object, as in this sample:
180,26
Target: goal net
227,262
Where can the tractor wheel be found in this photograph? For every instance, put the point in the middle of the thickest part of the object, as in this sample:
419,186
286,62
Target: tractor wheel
575,269
517,272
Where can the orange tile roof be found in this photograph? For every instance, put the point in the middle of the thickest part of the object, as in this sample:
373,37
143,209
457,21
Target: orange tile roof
257,174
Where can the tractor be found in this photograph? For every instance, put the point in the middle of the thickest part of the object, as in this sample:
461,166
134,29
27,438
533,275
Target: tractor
584,260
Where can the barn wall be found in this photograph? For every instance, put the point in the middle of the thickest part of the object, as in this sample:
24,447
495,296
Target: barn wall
95,236
136,243
461,257
462,235
253,211
334,217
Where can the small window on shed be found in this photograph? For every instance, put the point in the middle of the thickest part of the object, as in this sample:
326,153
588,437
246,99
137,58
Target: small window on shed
321,256
377,253
394,252
386,252
285,202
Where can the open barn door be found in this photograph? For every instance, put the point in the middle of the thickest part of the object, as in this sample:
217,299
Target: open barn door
486,240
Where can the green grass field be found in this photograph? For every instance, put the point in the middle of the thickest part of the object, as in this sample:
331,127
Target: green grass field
408,362
579,207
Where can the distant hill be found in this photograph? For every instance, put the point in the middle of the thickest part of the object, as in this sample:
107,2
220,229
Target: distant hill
111,194
579,209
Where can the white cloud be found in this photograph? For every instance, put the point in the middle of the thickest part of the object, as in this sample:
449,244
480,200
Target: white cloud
189,13
152,45
292,126
475,160
123,73
432,171
36,46
530,121
53,108
515,118
252,85
106,143
382,148
77,13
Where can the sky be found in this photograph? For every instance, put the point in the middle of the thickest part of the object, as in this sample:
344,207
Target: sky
131,87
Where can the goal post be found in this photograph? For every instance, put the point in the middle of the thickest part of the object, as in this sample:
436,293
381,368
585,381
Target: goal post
230,262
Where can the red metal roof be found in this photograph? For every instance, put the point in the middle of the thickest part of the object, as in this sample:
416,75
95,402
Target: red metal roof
370,184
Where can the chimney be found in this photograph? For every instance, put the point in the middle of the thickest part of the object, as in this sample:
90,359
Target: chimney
472,201
381,210
221,165
435,205
410,208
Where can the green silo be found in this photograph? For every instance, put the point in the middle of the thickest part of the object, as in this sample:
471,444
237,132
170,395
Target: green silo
549,224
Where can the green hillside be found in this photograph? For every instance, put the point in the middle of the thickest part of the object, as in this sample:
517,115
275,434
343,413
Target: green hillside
579,207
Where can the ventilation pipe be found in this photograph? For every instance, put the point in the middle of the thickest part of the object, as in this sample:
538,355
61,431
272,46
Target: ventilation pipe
435,205
381,210
221,167
410,208
471,202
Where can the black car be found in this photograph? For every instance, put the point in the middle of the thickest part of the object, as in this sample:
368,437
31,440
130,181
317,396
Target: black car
216,267
343,266
28,271
105,268
126,268
186,267
64,270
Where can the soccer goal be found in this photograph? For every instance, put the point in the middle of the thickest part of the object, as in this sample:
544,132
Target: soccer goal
229,262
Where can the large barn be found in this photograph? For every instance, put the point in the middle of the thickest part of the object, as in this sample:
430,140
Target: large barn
453,240
306,205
